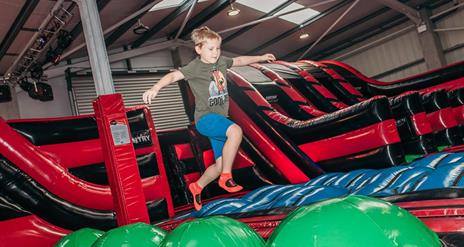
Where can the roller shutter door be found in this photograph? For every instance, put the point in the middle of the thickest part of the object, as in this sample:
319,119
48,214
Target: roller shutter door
167,110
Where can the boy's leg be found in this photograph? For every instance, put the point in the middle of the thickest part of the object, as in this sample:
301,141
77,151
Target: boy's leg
234,138
225,138
211,173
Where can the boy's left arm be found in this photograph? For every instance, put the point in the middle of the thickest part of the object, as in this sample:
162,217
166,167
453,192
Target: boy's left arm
245,60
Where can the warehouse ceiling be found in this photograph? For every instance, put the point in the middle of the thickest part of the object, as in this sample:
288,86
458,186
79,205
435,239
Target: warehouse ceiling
21,20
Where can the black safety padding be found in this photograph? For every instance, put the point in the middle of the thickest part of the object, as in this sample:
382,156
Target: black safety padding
79,129
26,193
96,173
412,83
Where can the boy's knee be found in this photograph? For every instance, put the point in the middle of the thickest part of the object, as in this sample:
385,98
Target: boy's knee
234,130
218,167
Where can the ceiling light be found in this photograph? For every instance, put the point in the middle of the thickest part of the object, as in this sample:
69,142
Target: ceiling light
233,11
140,28
42,41
304,36
36,71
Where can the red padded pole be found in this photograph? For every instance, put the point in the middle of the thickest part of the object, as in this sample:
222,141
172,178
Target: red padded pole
121,164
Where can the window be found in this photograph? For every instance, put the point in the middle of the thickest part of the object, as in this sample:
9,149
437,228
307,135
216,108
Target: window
166,4
297,17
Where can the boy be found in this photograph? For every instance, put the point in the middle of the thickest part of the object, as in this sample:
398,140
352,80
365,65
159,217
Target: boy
206,77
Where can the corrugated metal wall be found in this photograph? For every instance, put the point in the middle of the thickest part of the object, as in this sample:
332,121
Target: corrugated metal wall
403,50
452,41
167,109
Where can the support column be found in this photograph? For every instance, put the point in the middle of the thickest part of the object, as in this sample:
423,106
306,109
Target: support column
96,48
430,42
120,161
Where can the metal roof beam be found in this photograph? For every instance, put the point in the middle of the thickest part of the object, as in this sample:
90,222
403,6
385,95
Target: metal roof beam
203,17
187,17
330,28
18,23
162,24
126,26
105,32
341,30
271,15
303,25
169,44
59,71
246,29
403,8
359,37
47,19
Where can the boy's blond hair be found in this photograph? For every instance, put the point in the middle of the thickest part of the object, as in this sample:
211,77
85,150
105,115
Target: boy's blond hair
199,35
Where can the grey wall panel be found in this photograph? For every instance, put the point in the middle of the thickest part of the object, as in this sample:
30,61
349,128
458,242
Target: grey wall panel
167,109
452,41
160,59
455,55
416,69
391,54
402,54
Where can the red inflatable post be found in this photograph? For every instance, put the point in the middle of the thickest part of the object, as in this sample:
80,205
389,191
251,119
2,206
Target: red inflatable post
121,164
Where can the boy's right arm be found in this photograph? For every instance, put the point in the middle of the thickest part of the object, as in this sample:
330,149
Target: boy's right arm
169,78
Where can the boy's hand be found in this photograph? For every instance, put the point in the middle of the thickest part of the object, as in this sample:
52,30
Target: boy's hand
268,57
149,95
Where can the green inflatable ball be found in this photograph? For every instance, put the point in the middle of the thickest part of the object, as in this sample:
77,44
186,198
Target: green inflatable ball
352,221
84,237
133,235
215,231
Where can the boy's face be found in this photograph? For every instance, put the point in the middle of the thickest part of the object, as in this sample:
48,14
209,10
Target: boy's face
209,50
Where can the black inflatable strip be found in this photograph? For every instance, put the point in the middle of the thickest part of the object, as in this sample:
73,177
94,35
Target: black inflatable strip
407,84
451,239
333,85
29,195
434,194
74,130
96,173
262,163
9,210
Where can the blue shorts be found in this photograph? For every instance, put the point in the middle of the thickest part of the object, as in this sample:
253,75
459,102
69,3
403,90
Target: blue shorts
214,126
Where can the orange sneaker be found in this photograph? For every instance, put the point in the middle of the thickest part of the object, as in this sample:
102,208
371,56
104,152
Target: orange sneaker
195,189
227,182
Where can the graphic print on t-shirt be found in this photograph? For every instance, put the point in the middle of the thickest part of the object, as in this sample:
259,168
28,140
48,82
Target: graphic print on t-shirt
217,89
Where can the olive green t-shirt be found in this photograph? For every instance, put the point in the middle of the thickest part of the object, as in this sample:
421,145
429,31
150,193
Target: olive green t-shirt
209,85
